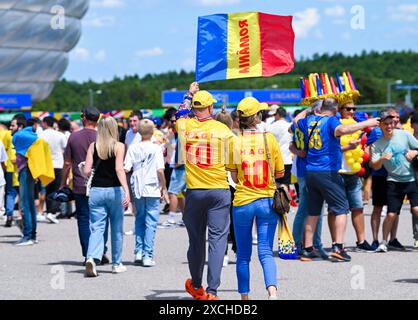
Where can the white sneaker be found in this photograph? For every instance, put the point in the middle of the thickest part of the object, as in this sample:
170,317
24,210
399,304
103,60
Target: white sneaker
24,243
180,223
382,247
226,261
91,268
51,218
167,224
273,297
118,268
40,218
148,262
138,258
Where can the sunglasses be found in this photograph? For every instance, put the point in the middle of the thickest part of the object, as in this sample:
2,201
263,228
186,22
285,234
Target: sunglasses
350,108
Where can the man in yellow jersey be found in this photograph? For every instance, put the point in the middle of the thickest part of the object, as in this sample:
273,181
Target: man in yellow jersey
202,149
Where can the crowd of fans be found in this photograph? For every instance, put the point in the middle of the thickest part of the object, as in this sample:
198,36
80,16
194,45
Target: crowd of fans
215,170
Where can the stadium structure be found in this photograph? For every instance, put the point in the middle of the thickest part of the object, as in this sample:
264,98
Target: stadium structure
36,37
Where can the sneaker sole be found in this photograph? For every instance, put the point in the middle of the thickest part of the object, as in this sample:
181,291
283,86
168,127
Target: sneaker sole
339,257
396,249
90,272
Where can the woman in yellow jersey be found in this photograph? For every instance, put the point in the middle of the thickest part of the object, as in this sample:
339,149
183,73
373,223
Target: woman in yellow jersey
254,196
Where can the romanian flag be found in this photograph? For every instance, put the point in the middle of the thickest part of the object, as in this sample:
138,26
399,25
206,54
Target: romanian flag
243,45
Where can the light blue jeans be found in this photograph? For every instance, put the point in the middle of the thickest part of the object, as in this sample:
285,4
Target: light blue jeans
147,214
300,218
266,220
106,203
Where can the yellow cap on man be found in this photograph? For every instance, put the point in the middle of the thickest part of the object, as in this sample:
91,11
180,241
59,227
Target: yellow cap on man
251,106
202,99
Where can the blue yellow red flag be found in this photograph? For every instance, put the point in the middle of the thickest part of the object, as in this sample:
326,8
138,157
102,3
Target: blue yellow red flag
243,45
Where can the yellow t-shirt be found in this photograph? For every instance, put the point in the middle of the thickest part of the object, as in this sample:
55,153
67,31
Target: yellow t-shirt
254,176
203,148
6,138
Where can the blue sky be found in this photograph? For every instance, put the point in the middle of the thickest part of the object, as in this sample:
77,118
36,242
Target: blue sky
124,37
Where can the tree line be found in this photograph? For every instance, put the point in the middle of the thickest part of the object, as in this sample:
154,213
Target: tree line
372,71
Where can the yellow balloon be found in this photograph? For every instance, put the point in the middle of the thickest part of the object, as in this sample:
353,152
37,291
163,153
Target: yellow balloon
344,141
356,153
356,167
350,161
348,154
361,153
359,160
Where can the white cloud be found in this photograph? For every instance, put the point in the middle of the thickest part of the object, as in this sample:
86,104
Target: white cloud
404,12
208,3
100,55
337,11
83,54
189,64
107,3
304,21
153,52
100,22
80,54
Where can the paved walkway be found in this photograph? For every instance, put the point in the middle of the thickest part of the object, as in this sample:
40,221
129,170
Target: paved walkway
52,269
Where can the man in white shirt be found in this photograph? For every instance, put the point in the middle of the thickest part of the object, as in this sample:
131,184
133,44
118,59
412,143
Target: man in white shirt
132,135
57,143
280,129
271,118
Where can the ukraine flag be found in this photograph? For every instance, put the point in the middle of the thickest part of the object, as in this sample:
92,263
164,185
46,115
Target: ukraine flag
243,45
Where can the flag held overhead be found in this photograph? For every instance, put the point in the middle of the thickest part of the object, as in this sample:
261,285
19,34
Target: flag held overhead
244,45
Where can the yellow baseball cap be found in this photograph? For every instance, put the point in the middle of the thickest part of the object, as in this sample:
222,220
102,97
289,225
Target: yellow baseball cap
202,99
251,106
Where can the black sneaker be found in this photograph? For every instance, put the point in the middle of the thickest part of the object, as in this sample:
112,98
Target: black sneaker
9,222
375,244
395,245
339,255
105,260
365,246
309,256
324,254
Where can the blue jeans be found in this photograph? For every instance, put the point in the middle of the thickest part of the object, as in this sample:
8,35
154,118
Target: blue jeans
300,218
83,214
83,222
11,194
27,201
266,220
106,203
147,214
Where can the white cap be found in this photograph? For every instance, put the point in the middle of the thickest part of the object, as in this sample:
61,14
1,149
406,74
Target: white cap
273,109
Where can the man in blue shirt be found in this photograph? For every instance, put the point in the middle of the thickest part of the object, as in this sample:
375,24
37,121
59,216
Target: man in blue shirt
323,162
298,147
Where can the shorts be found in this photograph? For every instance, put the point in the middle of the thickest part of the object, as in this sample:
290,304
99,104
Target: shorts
328,186
353,190
379,191
396,192
177,181
287,178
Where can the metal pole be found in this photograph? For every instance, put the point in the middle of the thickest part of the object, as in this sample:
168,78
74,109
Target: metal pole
389,93
91,98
